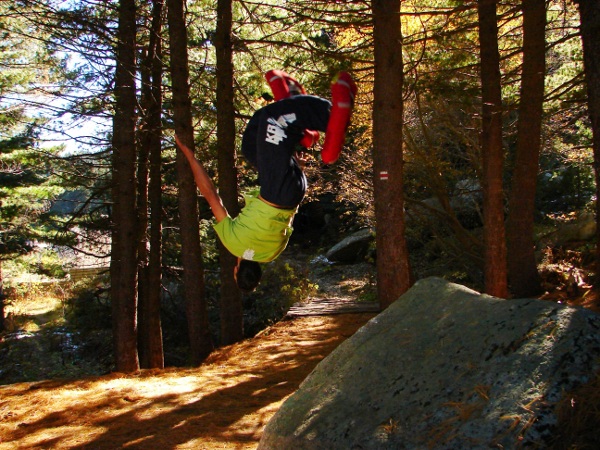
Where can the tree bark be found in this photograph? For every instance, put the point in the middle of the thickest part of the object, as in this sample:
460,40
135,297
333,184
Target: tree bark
150,344
589,11
524,278
495,270
123,267
155,343
2,304
193,270
142,210
393,267
231,312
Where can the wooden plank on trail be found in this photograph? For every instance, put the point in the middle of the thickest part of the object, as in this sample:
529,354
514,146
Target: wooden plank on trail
331,306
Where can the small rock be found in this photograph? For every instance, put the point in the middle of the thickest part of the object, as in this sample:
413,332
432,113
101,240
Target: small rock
352,249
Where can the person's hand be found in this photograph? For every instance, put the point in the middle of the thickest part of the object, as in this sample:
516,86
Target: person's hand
300,158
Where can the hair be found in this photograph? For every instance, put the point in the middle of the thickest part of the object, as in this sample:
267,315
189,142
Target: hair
248,275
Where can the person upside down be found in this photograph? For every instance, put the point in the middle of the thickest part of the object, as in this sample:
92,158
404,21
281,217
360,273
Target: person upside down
263,228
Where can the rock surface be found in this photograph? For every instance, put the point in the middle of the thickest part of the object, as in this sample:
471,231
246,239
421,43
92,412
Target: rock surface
444,367
352,249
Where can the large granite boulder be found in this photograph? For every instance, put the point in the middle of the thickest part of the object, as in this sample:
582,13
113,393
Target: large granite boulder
444,367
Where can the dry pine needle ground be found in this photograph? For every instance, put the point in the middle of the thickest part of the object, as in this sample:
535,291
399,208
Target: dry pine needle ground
224,404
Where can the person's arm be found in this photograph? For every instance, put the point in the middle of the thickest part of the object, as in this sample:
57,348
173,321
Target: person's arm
204,183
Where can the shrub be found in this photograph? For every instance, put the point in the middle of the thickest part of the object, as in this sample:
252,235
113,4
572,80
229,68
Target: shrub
283,284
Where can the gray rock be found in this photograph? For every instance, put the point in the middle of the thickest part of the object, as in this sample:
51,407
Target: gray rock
352,249
581,229
444,367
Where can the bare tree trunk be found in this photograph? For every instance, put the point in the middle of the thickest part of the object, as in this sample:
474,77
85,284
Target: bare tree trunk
522,266
2,298
589,11
193,276
393,267
143,249
232,326
155,343
123,267
142,207
492,153
149,286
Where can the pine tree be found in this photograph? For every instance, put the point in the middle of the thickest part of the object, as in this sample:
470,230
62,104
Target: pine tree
491,152
394,275
26,173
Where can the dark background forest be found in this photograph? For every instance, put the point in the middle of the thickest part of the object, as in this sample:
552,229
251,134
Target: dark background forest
484,115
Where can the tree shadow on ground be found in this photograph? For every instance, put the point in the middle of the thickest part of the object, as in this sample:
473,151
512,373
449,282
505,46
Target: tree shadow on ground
225,403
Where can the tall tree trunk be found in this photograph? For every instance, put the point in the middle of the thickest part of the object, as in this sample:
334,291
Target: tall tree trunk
193,270
155,343
524,278
589,11
123,266
492,155
232,326
2,304
393,267
143,249
149,286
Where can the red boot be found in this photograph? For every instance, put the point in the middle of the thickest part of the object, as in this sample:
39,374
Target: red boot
285,86
343,91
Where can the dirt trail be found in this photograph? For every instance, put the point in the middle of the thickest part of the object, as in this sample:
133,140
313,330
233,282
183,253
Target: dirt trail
223,404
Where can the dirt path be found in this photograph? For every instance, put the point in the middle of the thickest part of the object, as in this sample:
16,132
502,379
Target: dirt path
224,404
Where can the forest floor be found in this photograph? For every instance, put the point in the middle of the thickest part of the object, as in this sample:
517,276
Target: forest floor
223,404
